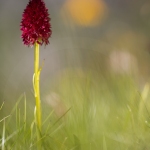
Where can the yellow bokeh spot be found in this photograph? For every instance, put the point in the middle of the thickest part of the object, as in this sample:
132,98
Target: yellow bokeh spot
84,12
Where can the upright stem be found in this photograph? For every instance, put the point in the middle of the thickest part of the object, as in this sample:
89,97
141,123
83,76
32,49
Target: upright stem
36,80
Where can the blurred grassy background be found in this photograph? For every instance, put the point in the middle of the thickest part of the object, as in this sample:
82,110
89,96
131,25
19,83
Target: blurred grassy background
103,36
97,62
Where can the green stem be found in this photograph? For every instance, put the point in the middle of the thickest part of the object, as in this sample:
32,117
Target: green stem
36,80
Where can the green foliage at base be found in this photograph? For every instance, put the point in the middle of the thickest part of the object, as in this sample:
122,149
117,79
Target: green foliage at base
84,112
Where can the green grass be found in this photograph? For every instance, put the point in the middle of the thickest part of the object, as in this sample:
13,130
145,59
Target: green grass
92,112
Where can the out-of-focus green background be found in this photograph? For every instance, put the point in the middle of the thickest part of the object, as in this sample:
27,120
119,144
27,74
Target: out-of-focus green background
94,81
102,37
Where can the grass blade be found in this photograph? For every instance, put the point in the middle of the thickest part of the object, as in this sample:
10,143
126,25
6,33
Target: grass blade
3,136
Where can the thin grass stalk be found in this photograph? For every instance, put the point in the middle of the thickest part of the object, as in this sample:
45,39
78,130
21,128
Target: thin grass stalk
31,128
19,118
104,143
16,107
25,112
2,106
3,137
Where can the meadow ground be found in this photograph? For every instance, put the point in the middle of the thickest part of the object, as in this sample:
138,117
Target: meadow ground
82,112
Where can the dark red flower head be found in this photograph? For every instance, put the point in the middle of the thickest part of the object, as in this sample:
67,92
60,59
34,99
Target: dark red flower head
35,24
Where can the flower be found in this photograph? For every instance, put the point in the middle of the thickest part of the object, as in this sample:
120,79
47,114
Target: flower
35,24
